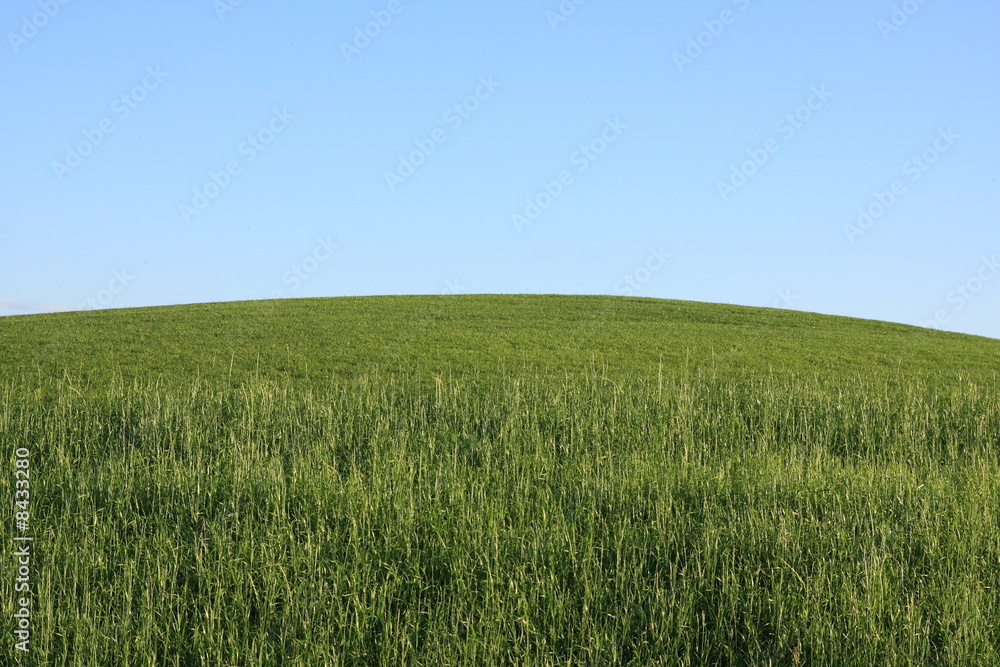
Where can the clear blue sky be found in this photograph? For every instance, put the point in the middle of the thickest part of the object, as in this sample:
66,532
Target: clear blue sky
188,151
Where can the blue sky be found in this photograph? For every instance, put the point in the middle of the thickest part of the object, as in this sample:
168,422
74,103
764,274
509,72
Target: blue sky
839,158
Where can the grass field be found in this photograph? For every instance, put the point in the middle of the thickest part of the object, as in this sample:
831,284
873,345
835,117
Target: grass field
479,480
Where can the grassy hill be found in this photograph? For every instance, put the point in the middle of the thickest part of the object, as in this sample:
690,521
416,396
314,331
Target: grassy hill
498,480
487,334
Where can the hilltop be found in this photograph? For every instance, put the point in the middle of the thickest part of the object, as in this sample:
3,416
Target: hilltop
321,338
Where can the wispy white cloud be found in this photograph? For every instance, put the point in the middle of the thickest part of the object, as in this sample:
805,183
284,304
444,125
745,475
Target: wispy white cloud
22,306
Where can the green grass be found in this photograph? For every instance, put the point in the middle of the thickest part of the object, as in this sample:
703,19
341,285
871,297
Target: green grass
503,480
